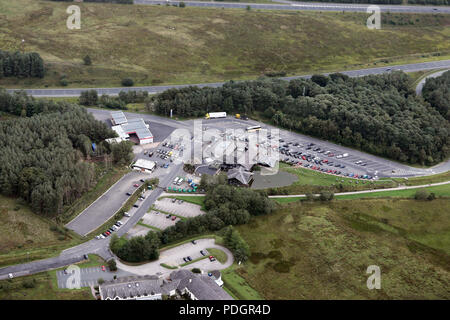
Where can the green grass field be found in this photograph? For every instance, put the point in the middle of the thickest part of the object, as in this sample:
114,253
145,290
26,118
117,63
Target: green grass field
322,251
416,181
199,200
45,288
439,191
25,236
218,254
314,181
161,45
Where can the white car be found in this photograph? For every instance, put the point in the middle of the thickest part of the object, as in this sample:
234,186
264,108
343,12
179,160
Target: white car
102,236
120,223
97,237
126,214
10,276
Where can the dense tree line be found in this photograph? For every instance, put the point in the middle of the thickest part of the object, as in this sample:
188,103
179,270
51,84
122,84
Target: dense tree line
43,152
91,98
379,114
436,91
233,241
225,205
137,249
21,65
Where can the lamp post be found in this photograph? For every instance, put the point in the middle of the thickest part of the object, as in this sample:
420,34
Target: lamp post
22,45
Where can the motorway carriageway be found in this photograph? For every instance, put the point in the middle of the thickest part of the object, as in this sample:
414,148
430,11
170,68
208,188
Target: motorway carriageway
413,67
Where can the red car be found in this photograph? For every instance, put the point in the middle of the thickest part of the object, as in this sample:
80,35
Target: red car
103,268
173,218
108,233
303,157
136,185
325,161
211,258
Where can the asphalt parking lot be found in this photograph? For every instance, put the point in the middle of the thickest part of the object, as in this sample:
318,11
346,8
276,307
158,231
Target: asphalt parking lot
184,209
106,205
374,165
89,276
158,220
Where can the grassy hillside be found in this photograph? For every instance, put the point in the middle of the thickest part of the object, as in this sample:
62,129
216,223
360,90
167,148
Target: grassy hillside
159,44
322,251
25,236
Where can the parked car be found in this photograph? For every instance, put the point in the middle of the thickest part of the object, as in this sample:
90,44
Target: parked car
174,200
128,194
135,185
193,242
103,268
189,258
168,216
211,258
174,218
202,253
135,205
126,214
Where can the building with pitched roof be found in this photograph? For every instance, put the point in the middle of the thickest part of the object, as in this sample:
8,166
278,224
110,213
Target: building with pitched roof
124,128
182,282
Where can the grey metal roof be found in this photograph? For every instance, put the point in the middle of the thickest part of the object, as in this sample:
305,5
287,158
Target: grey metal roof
138,127
201,286
118,117
131,287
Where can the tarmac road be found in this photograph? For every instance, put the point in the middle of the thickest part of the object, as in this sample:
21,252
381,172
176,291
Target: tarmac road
302,6
156,89
422,82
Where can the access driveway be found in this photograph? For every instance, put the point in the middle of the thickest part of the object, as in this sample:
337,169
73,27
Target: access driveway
174,257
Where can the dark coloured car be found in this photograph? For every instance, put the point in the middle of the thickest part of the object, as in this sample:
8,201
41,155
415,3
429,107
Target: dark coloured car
128,194
135,205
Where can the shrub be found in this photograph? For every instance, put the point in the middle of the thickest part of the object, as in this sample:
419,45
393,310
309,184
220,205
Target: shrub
421,194
182,5
326,196
87,60
127,82
101,281
28,284
112,265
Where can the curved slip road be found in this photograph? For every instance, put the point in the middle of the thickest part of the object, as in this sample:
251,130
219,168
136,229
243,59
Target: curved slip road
173,256
156,89
422,82
304,6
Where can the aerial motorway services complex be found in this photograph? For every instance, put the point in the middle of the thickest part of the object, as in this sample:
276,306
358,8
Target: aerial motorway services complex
224,150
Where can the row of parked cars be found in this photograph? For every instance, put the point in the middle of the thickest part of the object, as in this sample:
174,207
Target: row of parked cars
337,172
108,232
